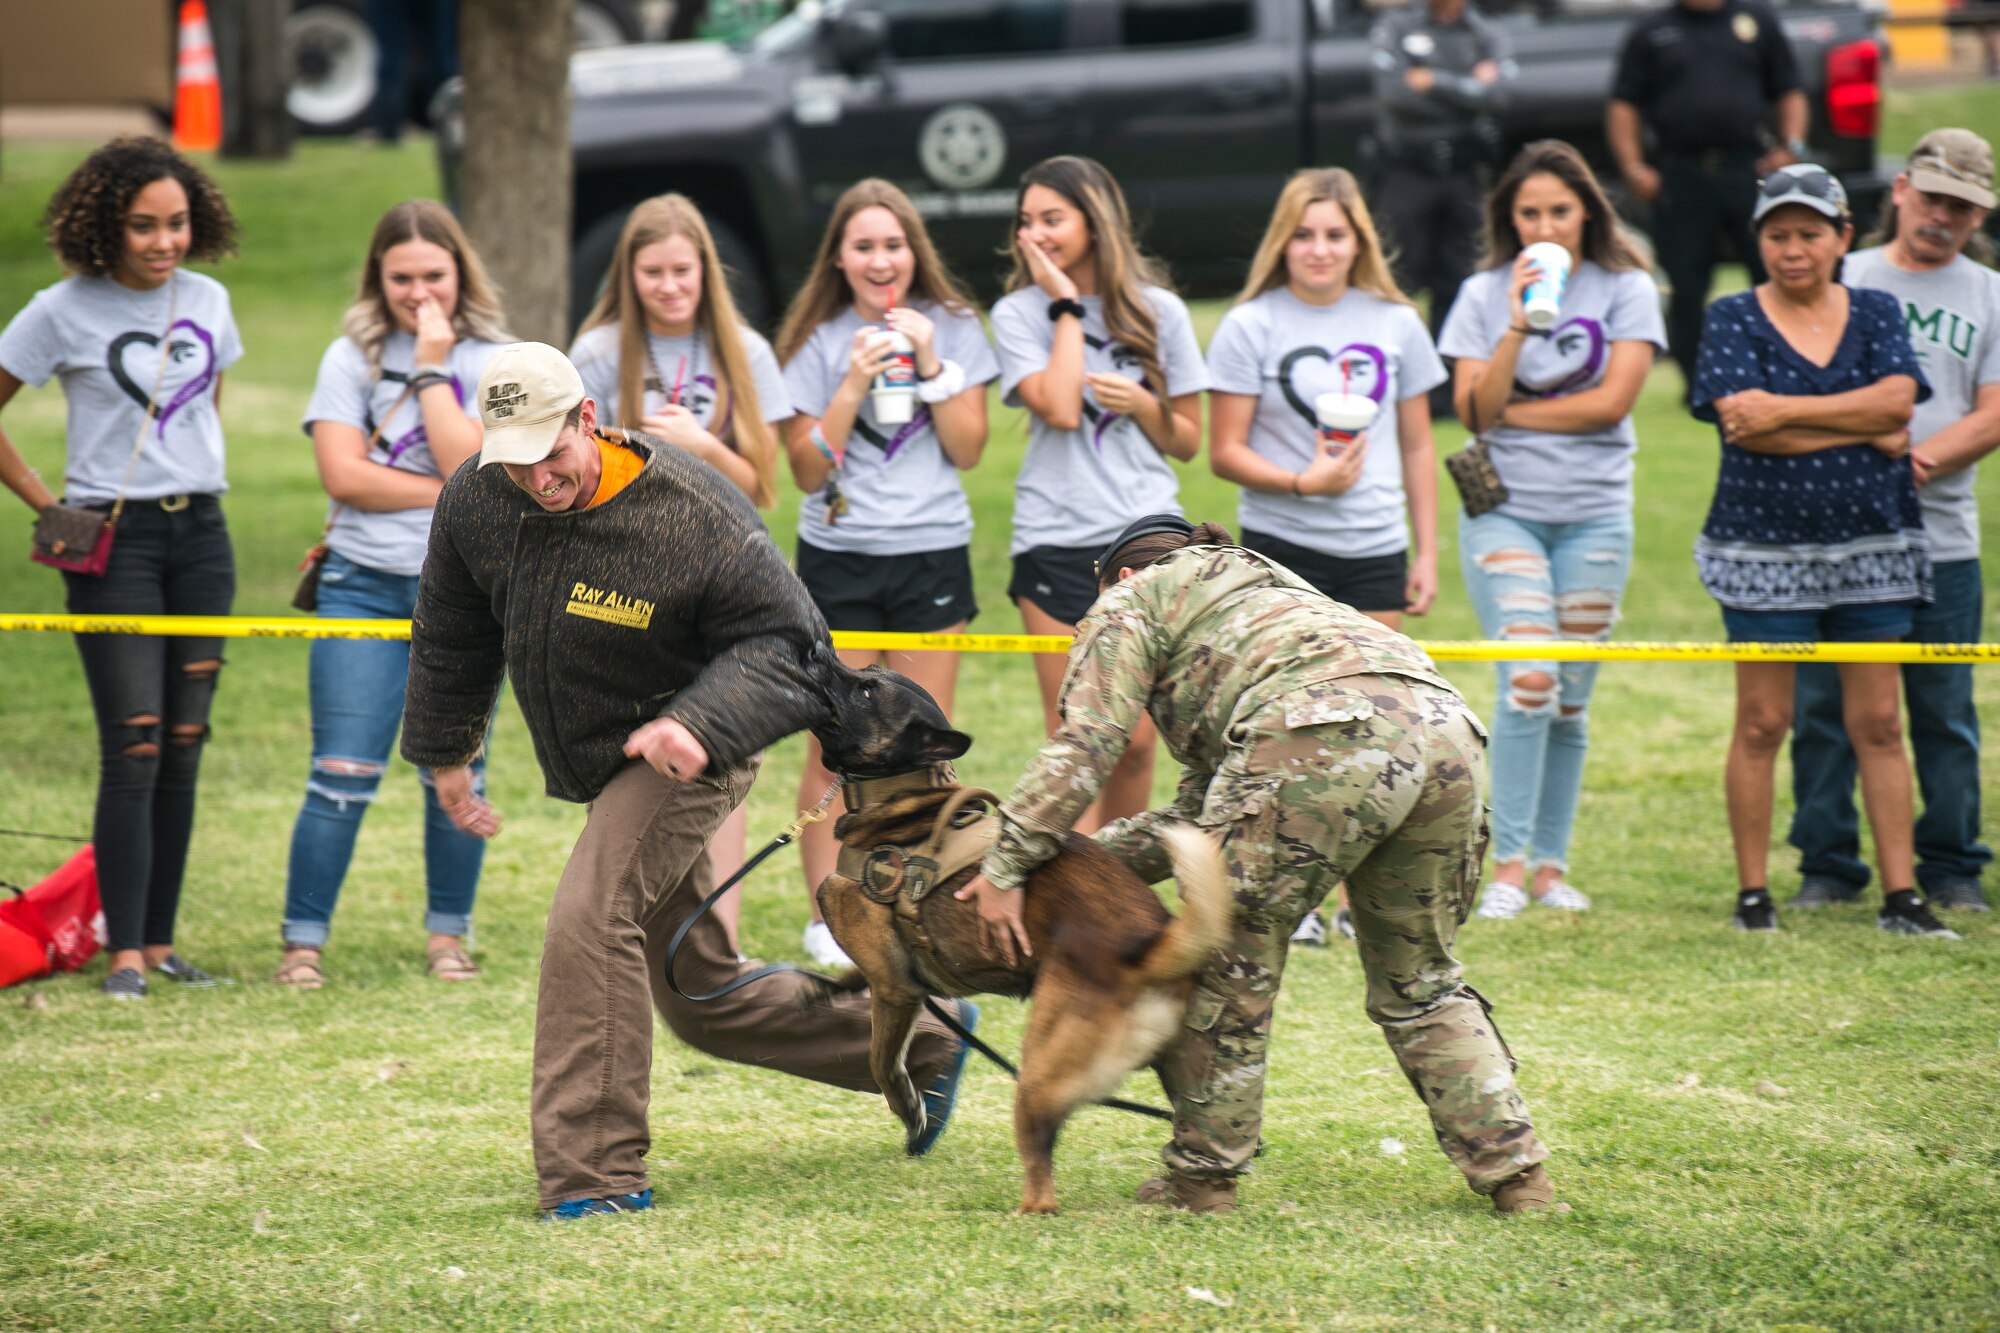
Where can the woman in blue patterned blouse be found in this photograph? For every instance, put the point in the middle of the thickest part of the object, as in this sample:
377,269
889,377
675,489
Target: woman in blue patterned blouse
1814,533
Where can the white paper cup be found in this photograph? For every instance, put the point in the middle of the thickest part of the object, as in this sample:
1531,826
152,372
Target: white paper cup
894,395
1342,416
1543,298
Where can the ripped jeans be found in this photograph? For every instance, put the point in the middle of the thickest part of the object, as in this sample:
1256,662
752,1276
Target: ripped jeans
1540,581
151,696
357,705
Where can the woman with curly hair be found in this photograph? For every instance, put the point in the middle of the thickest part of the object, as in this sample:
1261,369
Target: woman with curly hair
140,345
392,414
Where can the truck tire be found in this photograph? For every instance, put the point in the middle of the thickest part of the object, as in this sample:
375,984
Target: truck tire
590,258
332,51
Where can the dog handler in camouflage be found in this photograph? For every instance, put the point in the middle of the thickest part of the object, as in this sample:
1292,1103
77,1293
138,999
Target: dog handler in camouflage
1319,745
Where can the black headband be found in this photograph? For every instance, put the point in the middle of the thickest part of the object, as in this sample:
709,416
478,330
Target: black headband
1148,526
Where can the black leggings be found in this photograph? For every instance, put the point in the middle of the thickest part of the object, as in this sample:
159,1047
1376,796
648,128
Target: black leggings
151,696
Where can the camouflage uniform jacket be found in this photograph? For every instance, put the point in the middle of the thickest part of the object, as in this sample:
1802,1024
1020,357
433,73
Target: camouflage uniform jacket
1205,641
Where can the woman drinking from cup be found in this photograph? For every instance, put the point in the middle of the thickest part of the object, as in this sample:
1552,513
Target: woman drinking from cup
391,416
1104,357
140,345
887,366
1320,411
665,352
1551,387
1815,533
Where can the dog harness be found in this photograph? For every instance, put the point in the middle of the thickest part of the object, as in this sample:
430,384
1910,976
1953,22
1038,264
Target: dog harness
901,876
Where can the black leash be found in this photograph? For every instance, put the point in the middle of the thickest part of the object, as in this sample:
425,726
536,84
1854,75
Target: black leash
28,833
790,835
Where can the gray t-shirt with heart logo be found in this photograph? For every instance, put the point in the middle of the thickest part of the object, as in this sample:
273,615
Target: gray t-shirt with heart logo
1551,477
103,340
1285,353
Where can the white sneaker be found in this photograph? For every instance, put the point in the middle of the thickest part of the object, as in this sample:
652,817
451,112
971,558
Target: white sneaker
1312,929
1565,896
822,949
1343,923
1502,901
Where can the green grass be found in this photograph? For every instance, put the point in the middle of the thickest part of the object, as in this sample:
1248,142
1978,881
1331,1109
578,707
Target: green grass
358,1158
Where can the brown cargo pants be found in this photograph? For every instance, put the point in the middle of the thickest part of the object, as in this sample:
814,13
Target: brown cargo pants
639,868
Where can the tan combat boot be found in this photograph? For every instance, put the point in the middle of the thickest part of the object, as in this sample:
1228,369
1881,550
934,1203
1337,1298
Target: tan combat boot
1193,1193
1526,1192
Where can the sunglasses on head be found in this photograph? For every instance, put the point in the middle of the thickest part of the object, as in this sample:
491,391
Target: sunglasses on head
1814,181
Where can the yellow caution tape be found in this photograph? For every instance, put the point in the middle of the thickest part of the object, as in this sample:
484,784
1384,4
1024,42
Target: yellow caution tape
1565,650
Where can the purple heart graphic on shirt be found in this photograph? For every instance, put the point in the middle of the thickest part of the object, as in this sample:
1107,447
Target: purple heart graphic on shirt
1569,358
1362,367
889,444
180,351
1101,418
417,435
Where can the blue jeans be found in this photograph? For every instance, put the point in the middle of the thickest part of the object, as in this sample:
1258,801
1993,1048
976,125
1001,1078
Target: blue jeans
1944,732
357,704
1541,581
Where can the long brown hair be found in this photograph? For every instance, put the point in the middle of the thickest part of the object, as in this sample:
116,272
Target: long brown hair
1123,270
1319,185
826,288
1603,244
478,314
1157,546
658,219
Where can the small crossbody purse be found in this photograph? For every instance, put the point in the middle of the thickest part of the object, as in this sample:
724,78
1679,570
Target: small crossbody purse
78,540
1480,489
306,596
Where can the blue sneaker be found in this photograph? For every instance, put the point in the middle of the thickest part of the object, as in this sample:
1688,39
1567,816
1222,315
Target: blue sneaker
610,1203
942,1094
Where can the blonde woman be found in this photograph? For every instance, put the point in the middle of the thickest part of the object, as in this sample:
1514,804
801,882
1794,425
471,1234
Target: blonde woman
665,352
1104,358
392,415
1321,314
885,529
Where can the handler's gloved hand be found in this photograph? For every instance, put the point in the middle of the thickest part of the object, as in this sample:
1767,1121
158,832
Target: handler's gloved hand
670,748
464,806
1000,924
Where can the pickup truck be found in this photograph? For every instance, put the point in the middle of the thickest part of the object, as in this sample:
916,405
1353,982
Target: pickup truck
1201,108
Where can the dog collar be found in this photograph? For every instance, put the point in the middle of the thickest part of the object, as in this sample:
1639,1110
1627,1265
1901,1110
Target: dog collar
864,792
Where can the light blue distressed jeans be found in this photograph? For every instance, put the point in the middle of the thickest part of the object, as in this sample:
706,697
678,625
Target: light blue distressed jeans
1537,582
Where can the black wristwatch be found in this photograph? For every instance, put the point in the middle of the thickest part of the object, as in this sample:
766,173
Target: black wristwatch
1064,305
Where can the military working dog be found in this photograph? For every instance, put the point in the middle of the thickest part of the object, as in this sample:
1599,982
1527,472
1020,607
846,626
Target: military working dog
1112,970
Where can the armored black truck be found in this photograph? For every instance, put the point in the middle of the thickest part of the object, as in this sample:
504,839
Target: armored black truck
1201,108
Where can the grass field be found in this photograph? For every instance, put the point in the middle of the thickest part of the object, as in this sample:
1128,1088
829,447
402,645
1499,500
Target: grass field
1795,1131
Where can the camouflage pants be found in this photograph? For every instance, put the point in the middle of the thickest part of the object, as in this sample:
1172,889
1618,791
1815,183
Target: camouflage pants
1376,781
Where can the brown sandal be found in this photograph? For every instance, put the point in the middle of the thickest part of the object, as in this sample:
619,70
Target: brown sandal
301,974
452,964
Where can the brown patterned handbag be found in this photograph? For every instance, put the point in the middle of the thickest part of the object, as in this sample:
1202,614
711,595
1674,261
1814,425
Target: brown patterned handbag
1480,489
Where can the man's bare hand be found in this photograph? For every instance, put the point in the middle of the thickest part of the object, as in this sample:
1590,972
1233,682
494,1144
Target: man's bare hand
1000,924
462,804
670,748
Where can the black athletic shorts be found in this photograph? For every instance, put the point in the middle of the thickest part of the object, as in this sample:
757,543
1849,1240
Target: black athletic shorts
919,593
1062,580
1371,583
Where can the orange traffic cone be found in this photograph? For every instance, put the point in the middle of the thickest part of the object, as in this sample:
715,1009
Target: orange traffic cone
197,89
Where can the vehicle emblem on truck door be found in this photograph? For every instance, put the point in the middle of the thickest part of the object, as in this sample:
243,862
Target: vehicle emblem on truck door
962,146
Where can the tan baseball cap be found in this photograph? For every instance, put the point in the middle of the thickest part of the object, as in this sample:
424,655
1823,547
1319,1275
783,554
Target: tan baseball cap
1954,162
526,392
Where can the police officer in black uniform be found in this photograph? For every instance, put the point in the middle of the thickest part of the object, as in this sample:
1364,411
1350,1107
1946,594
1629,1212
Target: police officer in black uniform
1715,84
1442,72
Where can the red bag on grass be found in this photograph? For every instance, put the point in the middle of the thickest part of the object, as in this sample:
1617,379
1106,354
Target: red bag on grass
61,919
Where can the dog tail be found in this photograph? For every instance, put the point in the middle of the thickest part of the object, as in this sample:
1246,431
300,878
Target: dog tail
1204,922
